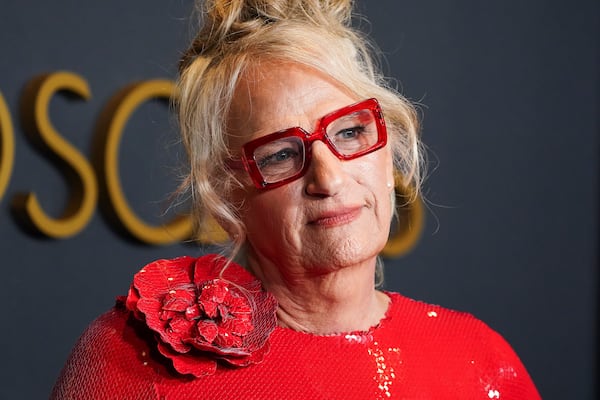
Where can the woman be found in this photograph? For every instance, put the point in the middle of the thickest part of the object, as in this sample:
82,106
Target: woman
293,140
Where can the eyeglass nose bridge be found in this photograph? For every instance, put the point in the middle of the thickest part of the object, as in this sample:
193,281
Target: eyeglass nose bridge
319,134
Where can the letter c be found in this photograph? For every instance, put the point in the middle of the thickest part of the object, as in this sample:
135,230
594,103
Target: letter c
112,125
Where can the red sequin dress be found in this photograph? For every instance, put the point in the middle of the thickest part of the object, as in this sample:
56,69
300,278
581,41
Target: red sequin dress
418,351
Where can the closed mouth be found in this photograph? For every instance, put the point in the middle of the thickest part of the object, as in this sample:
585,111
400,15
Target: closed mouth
336,217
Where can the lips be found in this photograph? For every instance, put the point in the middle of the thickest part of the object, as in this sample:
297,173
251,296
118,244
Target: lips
340,216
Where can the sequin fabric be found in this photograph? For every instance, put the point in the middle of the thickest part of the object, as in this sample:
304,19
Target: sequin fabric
418,351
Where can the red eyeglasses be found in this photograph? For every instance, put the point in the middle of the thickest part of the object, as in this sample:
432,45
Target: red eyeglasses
281,157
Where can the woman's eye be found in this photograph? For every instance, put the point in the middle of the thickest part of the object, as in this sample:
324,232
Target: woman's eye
277,157
350,133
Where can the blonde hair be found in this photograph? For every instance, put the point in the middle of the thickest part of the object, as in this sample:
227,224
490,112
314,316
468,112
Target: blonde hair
237,35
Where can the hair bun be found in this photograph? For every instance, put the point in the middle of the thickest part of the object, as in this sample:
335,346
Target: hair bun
224,21
230,12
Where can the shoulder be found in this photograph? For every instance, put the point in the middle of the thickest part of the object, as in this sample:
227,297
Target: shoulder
434,321
108,361
431,316
465,347
114,336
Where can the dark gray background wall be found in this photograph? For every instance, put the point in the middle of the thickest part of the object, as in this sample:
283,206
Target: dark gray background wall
510,96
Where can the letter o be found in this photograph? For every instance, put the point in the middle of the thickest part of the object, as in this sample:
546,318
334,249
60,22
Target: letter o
7,146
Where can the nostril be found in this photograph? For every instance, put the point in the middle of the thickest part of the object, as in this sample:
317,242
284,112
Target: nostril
325,175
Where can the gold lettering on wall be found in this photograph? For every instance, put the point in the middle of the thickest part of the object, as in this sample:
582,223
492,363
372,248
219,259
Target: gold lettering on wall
409,223
7,146
83,180
80,174
112,125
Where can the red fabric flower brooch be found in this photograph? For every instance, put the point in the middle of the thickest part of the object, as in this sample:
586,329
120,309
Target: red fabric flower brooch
202,312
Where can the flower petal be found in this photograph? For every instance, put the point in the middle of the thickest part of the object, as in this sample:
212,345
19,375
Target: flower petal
179,299
181,327
194,364
153,312
238,326
218,351
159,277
211,266
256,357
192,312
209,308
131,302
207,330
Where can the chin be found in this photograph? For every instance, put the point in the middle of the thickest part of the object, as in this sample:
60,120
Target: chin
348,253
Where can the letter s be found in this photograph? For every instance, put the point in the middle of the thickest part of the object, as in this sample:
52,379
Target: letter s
84,197
111,127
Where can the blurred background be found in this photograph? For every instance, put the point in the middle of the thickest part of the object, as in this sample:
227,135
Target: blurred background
509,96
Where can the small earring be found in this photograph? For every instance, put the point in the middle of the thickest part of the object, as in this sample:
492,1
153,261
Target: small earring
389,185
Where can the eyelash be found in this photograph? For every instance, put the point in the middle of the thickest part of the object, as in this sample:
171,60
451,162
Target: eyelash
266,160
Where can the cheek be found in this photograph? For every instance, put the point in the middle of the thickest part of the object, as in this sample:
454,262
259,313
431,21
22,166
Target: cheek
267,212
254,212
387,164
377,172
378,176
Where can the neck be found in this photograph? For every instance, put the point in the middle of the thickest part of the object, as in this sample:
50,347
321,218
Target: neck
324,303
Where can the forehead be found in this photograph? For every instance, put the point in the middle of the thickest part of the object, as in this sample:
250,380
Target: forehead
274,96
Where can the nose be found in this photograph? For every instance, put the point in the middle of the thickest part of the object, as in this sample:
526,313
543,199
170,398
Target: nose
325,175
